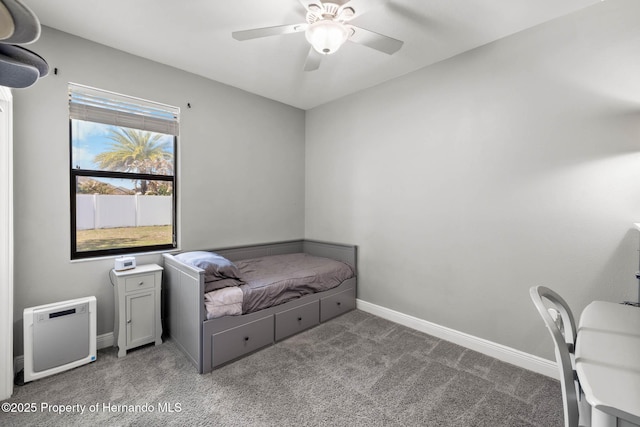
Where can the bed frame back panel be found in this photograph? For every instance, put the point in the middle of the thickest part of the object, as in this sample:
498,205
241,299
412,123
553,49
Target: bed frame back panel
345,253
255,251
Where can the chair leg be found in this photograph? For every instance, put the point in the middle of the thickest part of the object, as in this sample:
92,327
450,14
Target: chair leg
584,412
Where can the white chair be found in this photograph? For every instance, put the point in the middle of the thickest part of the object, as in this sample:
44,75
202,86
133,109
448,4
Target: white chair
563,330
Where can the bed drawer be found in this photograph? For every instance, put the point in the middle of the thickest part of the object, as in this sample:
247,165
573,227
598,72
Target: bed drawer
233,343
297,319
139,282
336,304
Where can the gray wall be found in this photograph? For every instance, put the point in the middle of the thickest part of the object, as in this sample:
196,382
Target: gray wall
469,181
241,168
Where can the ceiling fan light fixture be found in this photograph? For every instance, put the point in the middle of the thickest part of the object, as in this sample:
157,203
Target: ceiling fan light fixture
326,36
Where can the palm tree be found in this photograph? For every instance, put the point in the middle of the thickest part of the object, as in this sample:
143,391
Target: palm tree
134,150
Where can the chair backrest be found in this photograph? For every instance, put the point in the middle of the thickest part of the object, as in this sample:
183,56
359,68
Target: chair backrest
565,340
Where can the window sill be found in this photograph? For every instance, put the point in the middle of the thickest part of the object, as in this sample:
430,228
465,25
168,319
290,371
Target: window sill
112,257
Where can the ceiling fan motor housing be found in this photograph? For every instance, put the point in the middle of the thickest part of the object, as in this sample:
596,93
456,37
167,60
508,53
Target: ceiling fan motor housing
329,11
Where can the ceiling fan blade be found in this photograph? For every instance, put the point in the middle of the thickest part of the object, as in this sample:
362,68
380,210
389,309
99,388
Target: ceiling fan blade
376,41
268,31
313,60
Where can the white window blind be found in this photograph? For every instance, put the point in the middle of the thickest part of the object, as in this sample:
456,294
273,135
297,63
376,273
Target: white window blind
94,105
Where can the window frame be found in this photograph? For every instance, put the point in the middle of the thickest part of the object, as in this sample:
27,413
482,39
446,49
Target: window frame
77,172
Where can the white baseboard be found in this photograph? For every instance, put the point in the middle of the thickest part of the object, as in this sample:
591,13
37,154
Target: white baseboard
102,341
498,351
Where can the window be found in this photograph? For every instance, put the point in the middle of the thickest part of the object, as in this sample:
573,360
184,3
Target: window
123,173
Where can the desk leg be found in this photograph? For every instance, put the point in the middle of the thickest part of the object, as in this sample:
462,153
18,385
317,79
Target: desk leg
602,419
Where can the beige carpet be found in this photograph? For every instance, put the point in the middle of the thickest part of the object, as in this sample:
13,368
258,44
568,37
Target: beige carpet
355,370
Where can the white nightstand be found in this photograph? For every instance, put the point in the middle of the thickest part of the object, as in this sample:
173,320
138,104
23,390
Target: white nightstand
137,303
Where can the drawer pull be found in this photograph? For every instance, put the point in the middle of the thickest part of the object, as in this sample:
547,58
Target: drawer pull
299,319
246,338
338,303
141,283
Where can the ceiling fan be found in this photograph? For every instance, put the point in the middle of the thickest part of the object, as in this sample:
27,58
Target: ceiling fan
327,29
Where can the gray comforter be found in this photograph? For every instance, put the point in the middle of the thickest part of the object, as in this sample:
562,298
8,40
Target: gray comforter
276,279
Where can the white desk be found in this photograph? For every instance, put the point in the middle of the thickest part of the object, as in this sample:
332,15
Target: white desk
608,362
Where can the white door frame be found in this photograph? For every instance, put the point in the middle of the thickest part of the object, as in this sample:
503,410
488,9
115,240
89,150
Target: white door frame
6,243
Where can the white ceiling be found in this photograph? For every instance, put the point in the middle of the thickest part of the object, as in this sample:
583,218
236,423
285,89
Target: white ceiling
195,35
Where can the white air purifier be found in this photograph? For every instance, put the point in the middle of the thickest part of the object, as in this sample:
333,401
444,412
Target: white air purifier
58,337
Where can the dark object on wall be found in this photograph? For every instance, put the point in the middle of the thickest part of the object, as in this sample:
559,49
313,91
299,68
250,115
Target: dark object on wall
19,67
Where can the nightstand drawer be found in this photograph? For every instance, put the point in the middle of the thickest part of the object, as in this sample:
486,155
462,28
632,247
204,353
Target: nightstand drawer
139,282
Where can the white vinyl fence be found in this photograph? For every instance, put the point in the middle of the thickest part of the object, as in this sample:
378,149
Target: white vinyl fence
111,211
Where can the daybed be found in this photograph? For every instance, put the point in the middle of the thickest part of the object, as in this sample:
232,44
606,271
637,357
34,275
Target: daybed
214,342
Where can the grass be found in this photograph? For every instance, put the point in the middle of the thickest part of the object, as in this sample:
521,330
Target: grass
122,237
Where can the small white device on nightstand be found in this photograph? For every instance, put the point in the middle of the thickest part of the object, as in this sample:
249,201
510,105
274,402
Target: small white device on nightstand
124,263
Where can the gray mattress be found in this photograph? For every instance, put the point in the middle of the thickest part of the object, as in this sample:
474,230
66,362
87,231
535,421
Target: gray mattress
276,279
